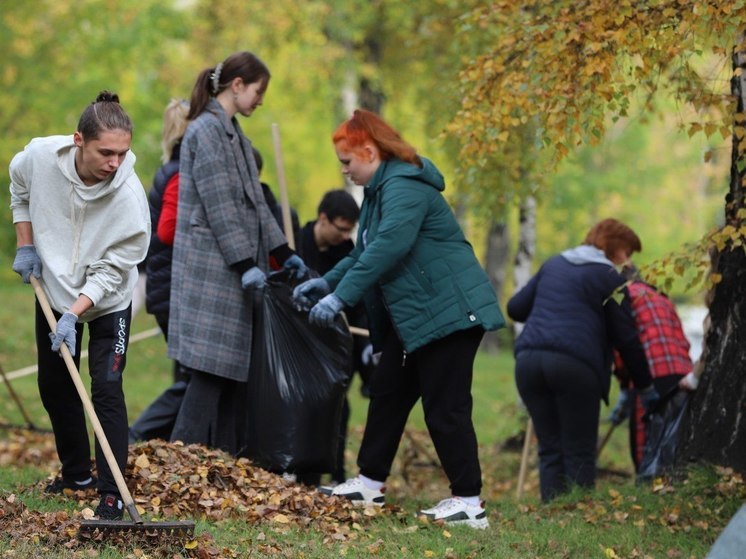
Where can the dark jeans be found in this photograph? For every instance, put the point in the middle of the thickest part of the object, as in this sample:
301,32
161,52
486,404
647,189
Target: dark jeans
441,373
107,356
563,397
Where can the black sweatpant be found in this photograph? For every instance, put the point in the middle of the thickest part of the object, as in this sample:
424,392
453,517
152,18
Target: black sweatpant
441,373
562,395
107,356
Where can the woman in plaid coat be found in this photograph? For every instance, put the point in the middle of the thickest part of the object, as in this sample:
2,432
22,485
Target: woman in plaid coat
225,235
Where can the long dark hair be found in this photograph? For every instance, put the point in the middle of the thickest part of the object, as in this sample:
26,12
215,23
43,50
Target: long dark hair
211,81
105,113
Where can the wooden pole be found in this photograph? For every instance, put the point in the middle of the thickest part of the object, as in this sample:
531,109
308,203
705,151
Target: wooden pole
602,442
282,183
17,400
524,458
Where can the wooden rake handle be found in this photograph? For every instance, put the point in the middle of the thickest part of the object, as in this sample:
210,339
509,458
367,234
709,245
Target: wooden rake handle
524,458
85,399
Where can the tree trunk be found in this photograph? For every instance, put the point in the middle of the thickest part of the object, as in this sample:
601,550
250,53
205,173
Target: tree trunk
524,257
714,430
496,263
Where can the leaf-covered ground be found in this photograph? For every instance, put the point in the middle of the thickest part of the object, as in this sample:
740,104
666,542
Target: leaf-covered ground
176,482
173,481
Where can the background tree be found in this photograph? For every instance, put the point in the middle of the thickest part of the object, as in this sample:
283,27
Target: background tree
715,430
570,67
58,55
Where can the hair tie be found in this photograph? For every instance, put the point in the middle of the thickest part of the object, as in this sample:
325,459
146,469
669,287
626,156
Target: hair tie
215,78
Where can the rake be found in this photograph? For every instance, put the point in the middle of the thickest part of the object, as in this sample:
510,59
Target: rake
182,528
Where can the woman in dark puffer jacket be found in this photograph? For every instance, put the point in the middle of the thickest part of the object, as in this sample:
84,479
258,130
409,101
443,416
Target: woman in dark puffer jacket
575,310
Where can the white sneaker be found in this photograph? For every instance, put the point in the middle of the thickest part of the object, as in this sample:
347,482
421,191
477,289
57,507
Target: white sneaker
457,511
356,491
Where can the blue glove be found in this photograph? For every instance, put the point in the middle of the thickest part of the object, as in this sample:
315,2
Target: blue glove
296,266
649,398
323,313
27,262
308,293
621,409
253,277
65,332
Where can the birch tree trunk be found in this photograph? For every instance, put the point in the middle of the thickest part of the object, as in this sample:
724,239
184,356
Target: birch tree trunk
524,257
714,430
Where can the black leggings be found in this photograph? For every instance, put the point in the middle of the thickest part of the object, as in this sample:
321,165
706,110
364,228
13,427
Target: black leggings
441,373
107,356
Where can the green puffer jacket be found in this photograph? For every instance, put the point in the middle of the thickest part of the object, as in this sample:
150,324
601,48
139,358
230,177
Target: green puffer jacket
412,265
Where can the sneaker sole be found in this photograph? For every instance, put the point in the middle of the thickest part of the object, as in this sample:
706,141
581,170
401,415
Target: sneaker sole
476,523
354,498
480,522
358,500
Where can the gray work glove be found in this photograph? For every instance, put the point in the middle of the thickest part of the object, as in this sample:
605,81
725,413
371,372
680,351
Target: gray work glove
295,265
27,262
649,398
253,277
368,357
308,293
621,409
323,312
65,332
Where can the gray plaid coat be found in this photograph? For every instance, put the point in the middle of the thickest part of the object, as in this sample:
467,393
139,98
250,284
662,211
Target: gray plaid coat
222,219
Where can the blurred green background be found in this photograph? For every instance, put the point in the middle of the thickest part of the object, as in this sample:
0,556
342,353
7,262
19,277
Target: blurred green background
325,57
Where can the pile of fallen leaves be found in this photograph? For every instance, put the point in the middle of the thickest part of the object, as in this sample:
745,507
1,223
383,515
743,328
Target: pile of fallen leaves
177,481
173,481
61,529
24,447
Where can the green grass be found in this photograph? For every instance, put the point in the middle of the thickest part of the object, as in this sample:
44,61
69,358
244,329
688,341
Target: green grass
617,519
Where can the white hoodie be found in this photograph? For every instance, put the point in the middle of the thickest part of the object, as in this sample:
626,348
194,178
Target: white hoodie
90,238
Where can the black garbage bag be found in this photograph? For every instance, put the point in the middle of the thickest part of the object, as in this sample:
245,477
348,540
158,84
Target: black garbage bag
297,383
662,432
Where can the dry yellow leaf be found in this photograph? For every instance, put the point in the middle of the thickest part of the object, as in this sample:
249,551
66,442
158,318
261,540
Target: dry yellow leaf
142,461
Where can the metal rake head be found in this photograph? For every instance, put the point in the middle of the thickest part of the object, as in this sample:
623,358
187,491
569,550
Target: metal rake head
94,529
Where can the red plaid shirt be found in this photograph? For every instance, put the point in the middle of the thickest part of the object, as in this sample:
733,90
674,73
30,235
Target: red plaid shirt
666,347
661,334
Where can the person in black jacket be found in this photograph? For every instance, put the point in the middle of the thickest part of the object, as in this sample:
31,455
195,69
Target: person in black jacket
324,242
575,309
157,420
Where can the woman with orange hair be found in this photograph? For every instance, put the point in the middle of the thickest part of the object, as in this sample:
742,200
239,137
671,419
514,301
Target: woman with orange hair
573,317
429,303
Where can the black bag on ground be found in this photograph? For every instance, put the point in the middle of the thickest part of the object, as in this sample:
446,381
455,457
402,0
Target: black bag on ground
662,435
297,383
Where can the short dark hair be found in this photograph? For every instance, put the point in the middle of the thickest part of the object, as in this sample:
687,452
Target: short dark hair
339,203
103,114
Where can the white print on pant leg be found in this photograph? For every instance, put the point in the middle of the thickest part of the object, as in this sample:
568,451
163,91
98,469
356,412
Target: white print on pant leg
119,349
